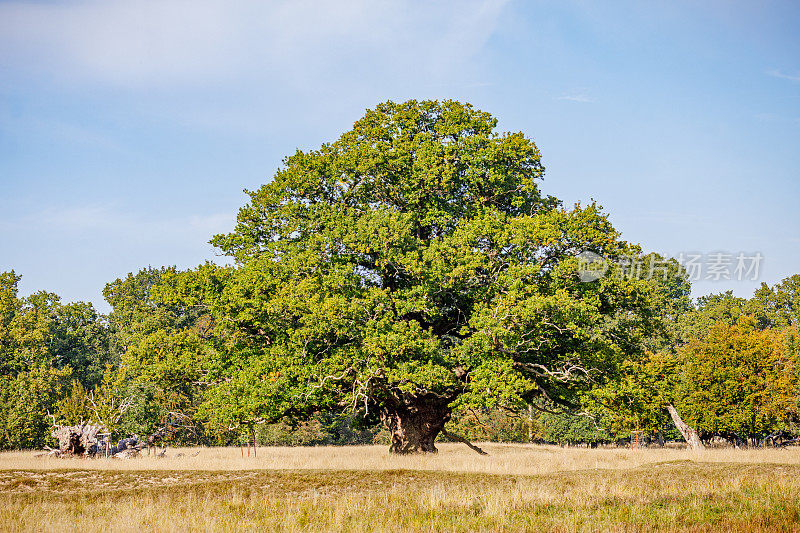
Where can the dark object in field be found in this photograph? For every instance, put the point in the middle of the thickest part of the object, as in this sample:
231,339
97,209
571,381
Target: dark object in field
90,440
81,440
779,438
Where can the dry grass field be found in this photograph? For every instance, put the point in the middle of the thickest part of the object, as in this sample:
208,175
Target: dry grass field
515,488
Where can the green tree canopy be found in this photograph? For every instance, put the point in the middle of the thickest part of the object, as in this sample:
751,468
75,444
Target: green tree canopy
160,349
779,305
411,266
37,354
739,380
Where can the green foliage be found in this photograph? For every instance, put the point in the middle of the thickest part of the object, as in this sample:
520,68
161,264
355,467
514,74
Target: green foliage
35,371
74,408
722,308
136,313
568,428
161,350
739,379
9,308
635,400
107,402
144,414
671,294
412,260
322,429
777,306
495,425
25,400
80,340
413,264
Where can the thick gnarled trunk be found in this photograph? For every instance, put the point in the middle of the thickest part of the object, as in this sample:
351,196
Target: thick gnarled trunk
415,425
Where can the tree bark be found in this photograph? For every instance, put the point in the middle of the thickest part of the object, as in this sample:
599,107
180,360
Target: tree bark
415,425
688,432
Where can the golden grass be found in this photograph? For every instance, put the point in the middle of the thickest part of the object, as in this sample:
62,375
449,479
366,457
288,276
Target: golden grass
516,488
518,459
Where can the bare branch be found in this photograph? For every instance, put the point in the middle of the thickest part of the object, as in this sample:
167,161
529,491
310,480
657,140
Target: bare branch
465,441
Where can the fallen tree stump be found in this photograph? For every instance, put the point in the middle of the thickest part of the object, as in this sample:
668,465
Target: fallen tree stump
92,440
81,440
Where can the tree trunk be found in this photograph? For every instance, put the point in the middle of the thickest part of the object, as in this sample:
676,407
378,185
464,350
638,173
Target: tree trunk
415,425
530,422
687,431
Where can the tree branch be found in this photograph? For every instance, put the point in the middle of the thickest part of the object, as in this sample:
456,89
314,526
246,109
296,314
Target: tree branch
465,441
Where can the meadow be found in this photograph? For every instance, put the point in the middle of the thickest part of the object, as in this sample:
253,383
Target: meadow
363,488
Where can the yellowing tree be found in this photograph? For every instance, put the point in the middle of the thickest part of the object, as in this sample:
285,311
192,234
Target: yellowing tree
739,380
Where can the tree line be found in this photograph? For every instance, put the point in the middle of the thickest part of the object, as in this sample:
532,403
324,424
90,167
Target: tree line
409,276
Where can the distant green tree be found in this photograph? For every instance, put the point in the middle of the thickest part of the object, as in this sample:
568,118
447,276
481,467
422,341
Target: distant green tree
10,307
44,345
777,306
709,310
739,380
74,409
25,399
160,350
31,381
80,340
568,428
108,401
496,425
636,399
134,312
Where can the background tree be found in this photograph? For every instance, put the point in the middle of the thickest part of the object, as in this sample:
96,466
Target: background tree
724,308
157,344
638,397
777,306
25,399
31,381
739,381
567,428
80,340
108,402
74,409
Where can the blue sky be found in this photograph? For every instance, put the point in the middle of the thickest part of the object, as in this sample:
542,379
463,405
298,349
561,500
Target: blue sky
129,129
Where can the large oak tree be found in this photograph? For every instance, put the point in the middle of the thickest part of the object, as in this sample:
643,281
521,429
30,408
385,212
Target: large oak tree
409,267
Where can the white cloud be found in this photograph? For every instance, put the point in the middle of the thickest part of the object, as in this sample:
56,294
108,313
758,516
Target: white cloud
52,128
582,98
168,43
213,223
778,74
775,117
106,220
